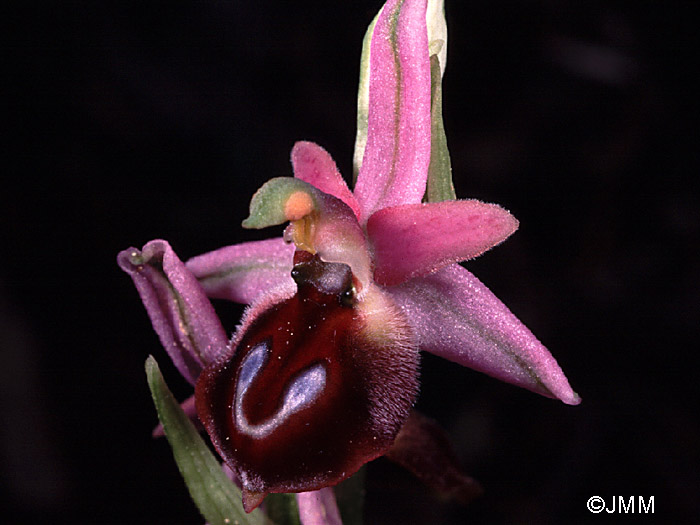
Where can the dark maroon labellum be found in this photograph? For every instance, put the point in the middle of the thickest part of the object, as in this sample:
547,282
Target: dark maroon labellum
311,392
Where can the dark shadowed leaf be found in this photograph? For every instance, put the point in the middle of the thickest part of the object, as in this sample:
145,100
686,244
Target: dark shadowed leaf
350,496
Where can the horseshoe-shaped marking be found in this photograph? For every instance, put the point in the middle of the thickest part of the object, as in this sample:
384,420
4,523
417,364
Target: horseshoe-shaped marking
301,392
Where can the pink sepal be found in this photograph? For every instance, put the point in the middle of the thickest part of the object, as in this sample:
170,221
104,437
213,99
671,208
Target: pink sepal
456,317
397,155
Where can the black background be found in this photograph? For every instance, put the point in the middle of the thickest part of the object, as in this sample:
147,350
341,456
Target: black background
130,121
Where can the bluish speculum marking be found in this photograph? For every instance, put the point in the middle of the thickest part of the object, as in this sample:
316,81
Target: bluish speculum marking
302,391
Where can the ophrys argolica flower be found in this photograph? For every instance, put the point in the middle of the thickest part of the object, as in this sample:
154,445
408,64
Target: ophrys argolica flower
322,373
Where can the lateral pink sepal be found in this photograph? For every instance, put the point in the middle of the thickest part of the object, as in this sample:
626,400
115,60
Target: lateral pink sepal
456,317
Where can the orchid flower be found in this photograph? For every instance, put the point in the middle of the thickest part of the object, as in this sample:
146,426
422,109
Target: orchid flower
322,373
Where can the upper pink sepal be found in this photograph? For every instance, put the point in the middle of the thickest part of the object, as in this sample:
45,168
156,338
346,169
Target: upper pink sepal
397,155
456,317
313,164
416,239
181,314
242,272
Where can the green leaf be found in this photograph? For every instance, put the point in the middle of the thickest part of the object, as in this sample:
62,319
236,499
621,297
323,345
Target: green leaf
216,497
440,187
282,509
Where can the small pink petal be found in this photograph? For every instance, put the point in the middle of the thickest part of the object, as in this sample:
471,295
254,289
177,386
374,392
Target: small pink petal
416,239
397,155
242,272
262,303
181,314
318,507
313,164
456,317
